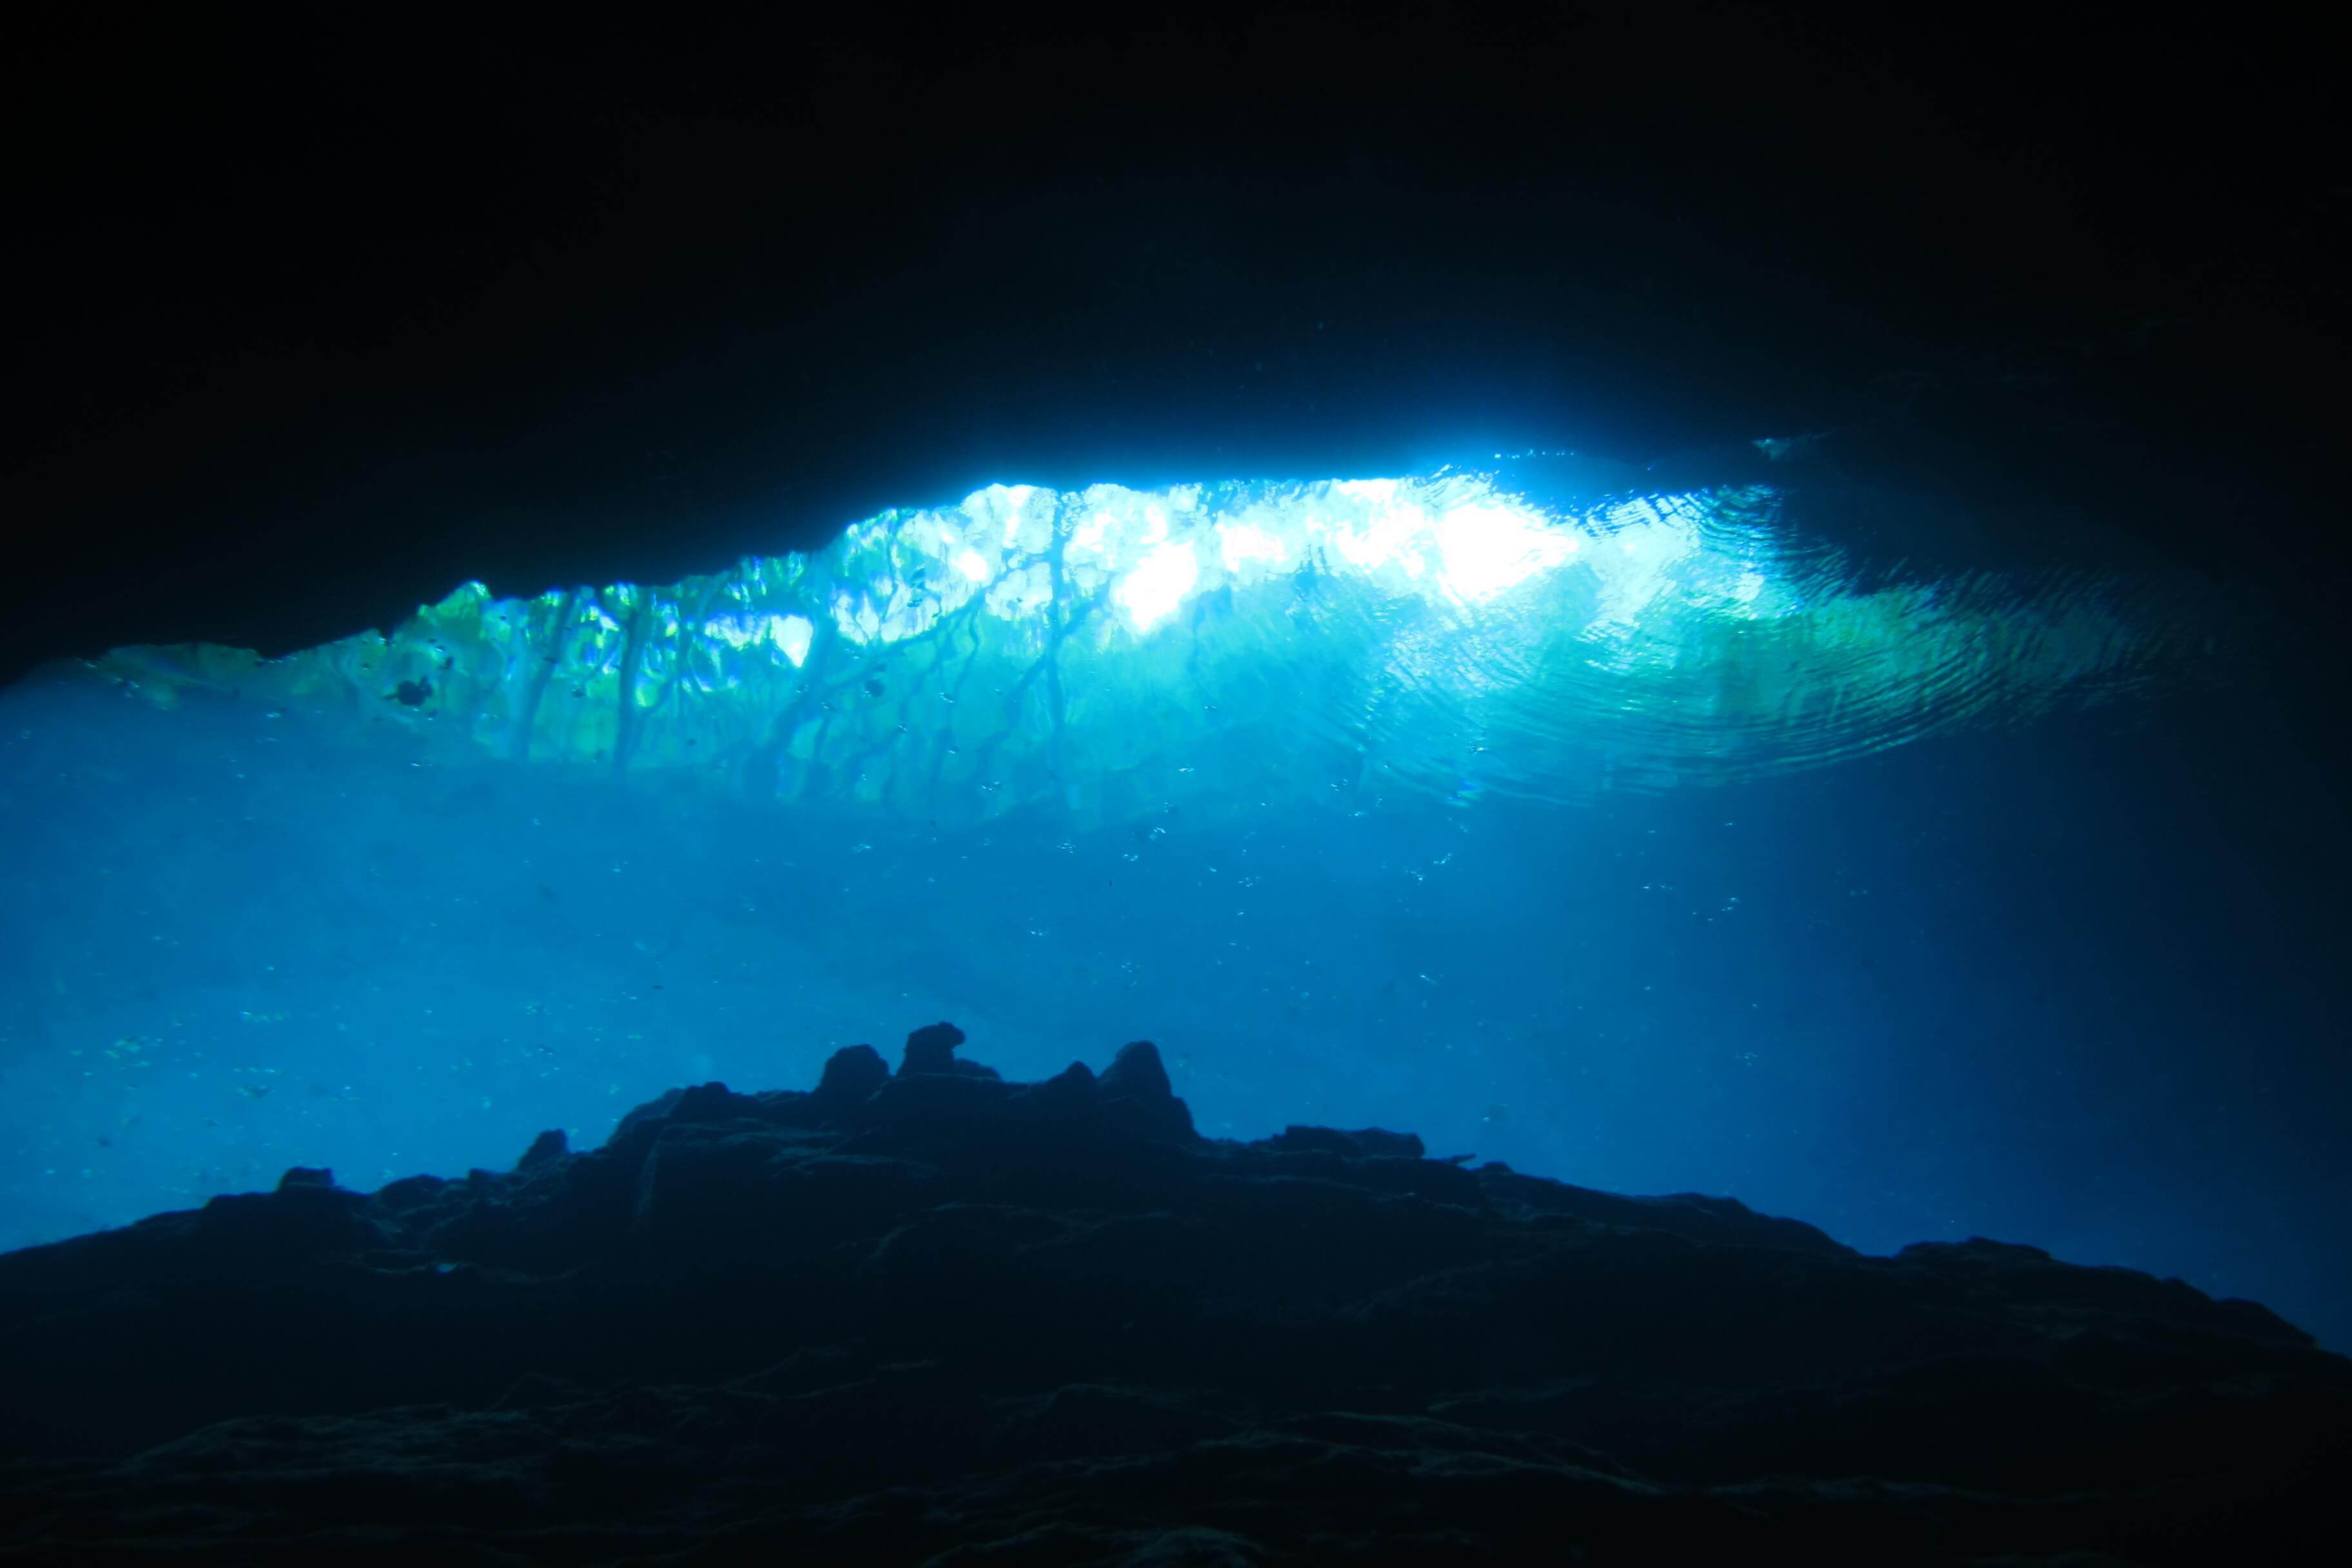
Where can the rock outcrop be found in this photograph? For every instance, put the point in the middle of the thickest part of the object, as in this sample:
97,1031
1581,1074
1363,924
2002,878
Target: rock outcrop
938,1316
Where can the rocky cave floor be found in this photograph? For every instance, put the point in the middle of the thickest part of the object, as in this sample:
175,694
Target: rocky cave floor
936,1317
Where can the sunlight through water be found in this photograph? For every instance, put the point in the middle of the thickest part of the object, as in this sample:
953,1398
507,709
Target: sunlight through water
1101,648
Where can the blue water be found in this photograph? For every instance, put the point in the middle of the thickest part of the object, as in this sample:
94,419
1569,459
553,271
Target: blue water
2073,981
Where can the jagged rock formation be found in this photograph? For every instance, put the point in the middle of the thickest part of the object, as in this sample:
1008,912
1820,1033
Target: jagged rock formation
936,1316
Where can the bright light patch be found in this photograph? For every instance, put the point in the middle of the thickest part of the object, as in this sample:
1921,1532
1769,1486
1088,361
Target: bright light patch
1241,543
1158,585
973,565
1386,536
788,634
1488,549
1025,529
792,634
728,630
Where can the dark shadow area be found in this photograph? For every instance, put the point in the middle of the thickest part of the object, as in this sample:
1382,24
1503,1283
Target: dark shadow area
318,325
935,1315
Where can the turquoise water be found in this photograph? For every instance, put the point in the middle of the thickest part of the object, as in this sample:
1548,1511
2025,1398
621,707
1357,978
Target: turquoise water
1655,837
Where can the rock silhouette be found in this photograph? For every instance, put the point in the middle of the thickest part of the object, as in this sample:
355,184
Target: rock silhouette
938,1316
